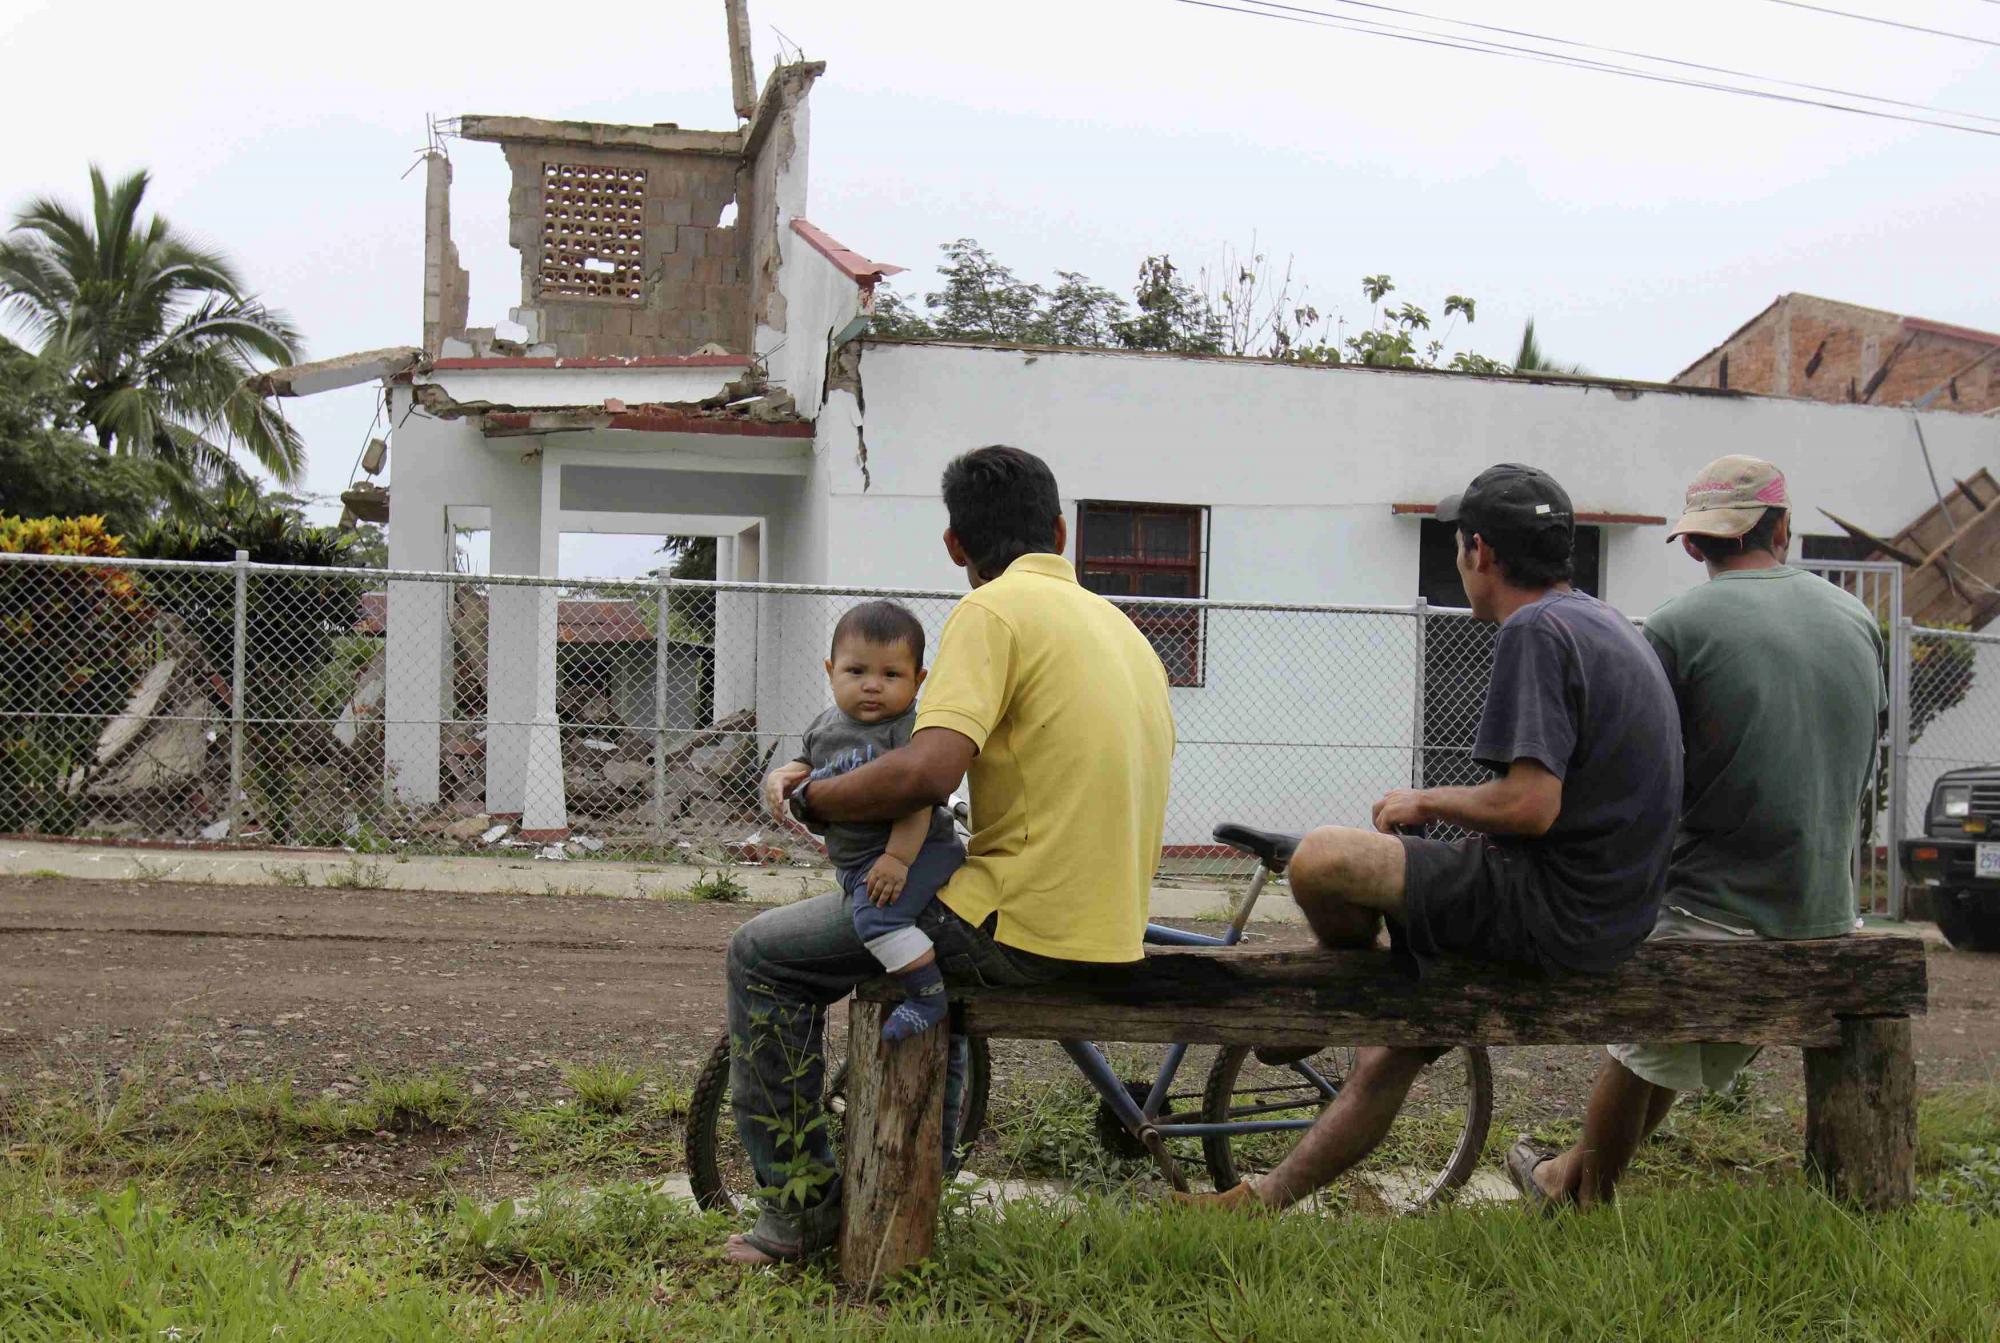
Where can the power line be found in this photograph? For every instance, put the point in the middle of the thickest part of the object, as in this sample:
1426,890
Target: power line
1484,47
1886,23
1636,55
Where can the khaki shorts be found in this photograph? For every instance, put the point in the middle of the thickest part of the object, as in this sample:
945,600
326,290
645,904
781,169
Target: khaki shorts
1706,1065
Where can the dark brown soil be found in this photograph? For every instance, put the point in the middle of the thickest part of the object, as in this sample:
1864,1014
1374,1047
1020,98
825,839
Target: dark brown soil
208,984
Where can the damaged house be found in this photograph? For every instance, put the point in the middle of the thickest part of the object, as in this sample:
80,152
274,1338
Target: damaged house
691,356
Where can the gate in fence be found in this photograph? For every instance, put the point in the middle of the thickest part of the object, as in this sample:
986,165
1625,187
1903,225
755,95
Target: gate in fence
1878,875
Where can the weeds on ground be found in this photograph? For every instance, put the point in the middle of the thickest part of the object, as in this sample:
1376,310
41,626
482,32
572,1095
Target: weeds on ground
1052,1131
605,1088
248,1125
1958,1149
620,1121
721,887
433,1100
358,876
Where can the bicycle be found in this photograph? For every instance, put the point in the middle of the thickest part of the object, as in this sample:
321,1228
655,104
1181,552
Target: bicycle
1249,1107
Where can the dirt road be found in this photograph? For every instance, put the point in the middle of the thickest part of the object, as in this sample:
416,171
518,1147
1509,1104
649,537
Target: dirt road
321,985
214,982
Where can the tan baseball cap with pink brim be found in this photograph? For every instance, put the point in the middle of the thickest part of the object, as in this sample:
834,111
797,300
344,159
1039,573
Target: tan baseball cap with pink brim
1730,495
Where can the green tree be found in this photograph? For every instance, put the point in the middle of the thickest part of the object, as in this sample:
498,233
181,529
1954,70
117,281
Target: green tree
1079,312
294,625
47,470
692,614
1531,358
154,336
71,648
1398,336
891,316
1245,307
1173,314
982,299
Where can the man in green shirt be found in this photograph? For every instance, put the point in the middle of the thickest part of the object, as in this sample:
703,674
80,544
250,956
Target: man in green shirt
1778,674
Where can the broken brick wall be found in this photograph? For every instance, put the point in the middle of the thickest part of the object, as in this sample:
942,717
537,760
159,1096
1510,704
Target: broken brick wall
772,188
1827,351
446,288
623,252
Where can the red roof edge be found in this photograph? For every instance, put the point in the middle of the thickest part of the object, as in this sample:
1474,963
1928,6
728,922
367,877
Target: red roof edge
852,264
1594,519
647,361
659,422
1924,324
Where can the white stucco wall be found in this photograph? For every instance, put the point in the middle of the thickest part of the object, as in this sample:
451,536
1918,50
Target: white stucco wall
1300,465
1299,717
1312,716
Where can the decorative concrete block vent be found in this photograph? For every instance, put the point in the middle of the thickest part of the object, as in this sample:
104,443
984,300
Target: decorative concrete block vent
593,231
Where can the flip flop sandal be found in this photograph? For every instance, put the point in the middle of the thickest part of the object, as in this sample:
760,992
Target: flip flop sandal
1522,1158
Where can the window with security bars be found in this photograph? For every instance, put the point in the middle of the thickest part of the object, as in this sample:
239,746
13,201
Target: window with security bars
1149,550
593,231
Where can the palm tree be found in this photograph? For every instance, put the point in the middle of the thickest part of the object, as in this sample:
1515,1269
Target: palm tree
154,335
1532,359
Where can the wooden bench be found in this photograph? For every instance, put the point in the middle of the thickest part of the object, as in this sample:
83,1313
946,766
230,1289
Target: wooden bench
1848,1001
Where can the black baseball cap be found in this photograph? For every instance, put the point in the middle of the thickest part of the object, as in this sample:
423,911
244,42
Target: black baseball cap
1510,500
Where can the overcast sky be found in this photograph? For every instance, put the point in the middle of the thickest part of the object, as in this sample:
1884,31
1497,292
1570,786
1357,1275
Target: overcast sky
1637,223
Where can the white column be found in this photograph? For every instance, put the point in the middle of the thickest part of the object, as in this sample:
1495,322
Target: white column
544,809
512,627
418,670
737,559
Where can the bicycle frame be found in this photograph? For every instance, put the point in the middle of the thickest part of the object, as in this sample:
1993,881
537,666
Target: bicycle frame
1142,1119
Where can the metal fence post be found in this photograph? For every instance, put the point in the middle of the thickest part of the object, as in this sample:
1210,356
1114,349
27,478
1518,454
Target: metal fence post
1899,750
236,688
662,642
1423,614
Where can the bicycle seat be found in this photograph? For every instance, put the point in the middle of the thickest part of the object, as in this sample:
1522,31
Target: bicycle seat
1272,849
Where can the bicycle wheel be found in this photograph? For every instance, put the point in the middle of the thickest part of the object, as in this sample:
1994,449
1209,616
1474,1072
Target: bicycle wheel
719,1168
1430,1150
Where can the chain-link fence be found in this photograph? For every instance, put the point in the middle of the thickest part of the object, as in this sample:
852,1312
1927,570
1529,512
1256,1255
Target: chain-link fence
391,711
274,705
1954,721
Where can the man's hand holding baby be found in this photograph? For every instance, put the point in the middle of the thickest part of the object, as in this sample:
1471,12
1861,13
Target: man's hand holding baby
779,785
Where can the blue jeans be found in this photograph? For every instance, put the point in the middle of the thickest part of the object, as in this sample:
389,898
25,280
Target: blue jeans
786,968
890,931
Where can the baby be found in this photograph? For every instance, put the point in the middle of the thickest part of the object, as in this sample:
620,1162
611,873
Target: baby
890,872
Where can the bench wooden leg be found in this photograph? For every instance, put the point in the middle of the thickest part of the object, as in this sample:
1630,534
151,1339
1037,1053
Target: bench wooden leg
892,1147
1861,1113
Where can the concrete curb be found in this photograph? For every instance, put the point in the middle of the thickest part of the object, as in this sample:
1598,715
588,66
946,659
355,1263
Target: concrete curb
495,875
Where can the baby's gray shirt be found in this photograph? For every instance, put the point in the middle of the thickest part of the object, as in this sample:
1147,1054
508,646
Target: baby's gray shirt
835,744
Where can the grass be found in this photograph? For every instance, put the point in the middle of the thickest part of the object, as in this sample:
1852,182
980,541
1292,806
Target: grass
125,1215
623,1261
633,1138
718,886
605,1088
247,1126
358,876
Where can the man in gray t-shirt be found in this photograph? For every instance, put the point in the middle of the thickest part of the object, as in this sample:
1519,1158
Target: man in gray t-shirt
1778,675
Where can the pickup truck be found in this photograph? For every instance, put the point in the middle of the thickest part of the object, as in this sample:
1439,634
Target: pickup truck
1959,856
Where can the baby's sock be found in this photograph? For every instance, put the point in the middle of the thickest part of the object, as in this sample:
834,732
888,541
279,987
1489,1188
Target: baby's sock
922,1008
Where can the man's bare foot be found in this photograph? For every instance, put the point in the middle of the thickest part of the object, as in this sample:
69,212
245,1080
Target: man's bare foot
1241,1198
739,1250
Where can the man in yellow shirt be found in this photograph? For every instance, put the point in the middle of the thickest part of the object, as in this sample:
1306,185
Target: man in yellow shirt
1056,706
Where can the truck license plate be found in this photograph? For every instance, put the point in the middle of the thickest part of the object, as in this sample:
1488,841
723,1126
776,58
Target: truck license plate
1986,860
